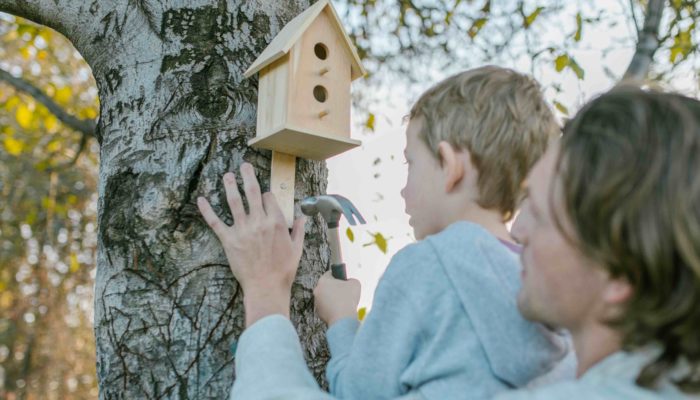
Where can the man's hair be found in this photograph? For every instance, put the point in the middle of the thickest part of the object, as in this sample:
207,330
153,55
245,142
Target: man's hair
630,171
500,117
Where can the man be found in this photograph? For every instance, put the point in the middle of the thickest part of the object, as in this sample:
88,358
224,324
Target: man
611,237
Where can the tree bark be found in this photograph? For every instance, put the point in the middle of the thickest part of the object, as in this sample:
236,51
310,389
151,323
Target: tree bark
647,42
175,114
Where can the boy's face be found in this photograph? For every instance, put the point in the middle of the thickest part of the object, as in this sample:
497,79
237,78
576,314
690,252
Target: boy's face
423,188
560,287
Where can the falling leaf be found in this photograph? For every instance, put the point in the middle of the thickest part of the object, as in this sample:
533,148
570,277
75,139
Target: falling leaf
370,122
351,235
361,313
379,240
377,161
562,108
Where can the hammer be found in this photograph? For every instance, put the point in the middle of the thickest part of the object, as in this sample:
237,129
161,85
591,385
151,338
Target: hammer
331,207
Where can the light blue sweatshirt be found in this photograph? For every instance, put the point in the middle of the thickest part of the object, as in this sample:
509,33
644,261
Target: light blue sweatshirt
444,322
270,365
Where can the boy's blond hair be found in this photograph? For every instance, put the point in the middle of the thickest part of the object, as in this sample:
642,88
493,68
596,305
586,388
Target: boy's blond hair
501,117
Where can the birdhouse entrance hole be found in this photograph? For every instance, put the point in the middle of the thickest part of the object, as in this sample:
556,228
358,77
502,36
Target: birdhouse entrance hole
320,93
321,51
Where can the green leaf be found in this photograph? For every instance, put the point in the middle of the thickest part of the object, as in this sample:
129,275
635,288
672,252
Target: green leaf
576,68
370,122
532,17
579,26
476,27
351,235
561,62
562,108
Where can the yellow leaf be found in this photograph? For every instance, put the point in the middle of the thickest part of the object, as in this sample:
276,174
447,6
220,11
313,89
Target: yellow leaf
579,26
5,299
42,54
74,264
88,113
561,62
25,52
532,17
53,146
13,146
476,27
361,313
24,116
45,34
12,103
51,123
380,241
562,108
351,235
72,199
370,122
63,95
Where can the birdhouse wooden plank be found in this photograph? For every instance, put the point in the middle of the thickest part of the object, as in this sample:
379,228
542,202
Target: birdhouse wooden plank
304,91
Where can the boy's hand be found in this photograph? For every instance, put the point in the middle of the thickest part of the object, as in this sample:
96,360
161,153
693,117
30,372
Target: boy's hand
262,255
336,299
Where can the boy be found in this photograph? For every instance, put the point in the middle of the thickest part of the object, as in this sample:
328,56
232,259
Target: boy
470,142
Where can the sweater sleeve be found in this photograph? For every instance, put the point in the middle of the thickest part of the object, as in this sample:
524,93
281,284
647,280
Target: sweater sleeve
372,362
270,364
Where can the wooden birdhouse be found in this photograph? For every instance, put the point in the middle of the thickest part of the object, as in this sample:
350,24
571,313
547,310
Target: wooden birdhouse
304,95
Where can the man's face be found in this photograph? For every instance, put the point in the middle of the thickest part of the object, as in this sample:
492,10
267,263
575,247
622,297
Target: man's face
560,287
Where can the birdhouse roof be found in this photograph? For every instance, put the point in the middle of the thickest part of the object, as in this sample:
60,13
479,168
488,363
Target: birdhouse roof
291,33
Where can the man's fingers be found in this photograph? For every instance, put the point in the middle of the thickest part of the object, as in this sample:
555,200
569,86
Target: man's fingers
252,190
233,197
210,216
298,233
272,208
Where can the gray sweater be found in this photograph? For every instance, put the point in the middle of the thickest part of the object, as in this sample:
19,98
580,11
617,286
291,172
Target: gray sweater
444,323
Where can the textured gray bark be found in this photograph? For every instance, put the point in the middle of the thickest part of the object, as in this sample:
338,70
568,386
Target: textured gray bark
176,114
647,42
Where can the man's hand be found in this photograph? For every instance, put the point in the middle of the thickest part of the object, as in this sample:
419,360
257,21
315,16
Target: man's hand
336,299
262,255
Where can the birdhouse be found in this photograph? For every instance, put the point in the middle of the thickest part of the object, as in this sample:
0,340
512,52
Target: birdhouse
304,93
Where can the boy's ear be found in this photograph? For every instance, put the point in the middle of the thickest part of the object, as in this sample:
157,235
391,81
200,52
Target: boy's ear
451,164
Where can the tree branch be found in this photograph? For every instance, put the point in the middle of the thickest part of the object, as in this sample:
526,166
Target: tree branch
647,42
84,126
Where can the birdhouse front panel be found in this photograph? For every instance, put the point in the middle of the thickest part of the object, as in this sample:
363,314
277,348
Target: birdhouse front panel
320,69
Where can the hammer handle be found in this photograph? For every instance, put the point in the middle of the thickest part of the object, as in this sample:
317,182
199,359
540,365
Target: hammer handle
338,272
334,243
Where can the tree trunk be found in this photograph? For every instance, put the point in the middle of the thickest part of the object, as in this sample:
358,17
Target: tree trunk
175,114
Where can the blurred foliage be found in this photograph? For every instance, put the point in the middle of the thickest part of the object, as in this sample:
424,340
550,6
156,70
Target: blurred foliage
47,220
420,41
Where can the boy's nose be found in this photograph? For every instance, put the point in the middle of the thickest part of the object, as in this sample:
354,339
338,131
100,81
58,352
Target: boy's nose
403,196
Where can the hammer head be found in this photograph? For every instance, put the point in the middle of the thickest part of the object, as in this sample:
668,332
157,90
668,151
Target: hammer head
331,207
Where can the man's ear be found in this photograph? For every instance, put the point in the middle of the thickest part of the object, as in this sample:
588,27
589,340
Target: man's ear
451,164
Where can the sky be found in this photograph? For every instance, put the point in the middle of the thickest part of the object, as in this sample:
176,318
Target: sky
373,174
